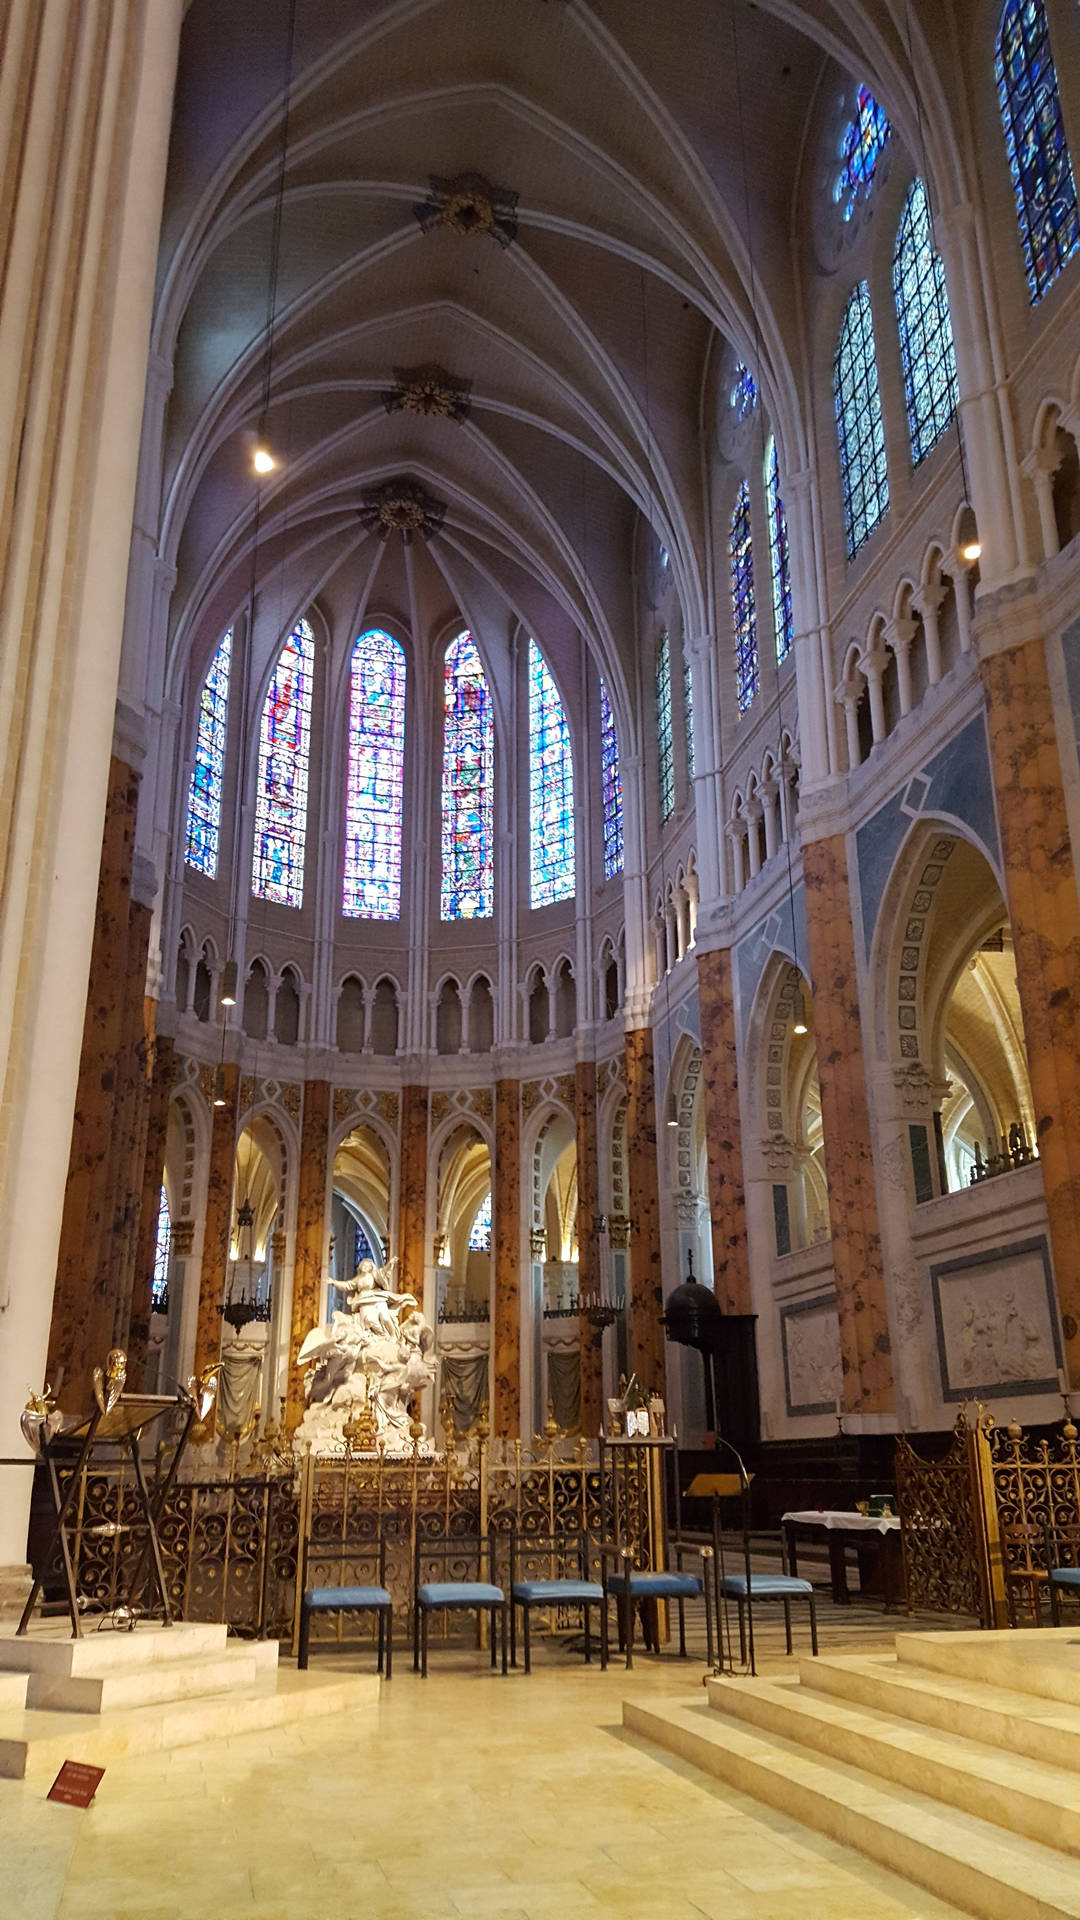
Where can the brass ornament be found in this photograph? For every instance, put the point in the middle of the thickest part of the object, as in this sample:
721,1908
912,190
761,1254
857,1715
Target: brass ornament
430,392
469,206
401,506
40,1418
109,1380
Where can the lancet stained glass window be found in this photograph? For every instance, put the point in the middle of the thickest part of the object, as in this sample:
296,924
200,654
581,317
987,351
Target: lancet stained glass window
858,421
611,788
1039,162
688,711
467,785
159,1285
373,800
480,1232
862,144
207,775
665,753
552,873
779,553
281,790
743,607
922,314
743,396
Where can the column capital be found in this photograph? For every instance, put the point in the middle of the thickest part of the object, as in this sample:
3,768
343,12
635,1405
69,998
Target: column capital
927,599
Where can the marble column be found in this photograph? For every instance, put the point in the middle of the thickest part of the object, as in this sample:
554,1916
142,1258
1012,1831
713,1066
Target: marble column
83,1304
162,1074
412,1190
588,1239
83,151
217,1225
865,1346
1044,911
647,1356
129,1127
506,1238
311,1229
723,1132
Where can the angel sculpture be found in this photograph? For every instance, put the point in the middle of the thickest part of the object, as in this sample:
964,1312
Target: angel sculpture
379,1354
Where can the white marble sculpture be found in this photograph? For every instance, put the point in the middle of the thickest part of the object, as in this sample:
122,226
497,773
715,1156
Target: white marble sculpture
375,1356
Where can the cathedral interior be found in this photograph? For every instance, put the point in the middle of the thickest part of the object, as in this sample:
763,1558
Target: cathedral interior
540,647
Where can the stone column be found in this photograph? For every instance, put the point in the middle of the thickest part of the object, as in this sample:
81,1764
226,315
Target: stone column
927,604
647,1356
162,1075
87,93
217,1225
899,635
412,1190
723,1133
1044,910
588,1239
849,1163
310,1256
506,1240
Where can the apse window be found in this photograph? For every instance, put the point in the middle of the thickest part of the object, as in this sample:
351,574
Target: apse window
552,871
859,426
281,791
862,143
925,327
468,783
611,788
208,772
743,607
375,786
1039,162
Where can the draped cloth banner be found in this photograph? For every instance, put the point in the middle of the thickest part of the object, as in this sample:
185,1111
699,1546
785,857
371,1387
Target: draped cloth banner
564,1389
238,1385
465,1384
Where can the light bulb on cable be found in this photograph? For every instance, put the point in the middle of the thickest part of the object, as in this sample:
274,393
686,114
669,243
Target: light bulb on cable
798,1024
971,550
262,459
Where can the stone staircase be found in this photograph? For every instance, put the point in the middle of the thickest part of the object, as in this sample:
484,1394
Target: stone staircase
112,1694
954,1761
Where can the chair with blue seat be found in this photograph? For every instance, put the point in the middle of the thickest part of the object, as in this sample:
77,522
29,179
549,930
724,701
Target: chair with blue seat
348,1559
636,1586
468,1562
1062,1567
746,1589
553,1570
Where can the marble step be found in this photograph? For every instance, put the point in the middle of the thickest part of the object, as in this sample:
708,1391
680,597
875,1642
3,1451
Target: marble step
961,1858
34,1744
12,1691
1019,1723
1019,1795
240,1664
48,1647
1045,1663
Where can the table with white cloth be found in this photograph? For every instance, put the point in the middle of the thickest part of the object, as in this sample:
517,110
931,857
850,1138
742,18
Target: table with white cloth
841,1528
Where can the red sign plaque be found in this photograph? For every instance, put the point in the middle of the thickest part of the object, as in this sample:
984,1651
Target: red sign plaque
75,1784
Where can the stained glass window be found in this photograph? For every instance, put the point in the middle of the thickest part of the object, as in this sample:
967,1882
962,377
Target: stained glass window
281,791
858,421
376,772
467,785
552,874
159,1285
665,755
779,553
743,609
362,1247
480,1232
611,787
862,144
922,313
688,712
1035,141
204,794
743,396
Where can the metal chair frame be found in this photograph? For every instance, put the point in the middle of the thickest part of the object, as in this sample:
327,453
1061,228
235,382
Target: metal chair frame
445,1547
572,1544
351,1549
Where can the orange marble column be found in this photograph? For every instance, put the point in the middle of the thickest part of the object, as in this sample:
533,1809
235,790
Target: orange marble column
723,1132
647,1352
162,1073
310,1234
1044,911
506,1237
412,1191
128,1145
83,1306
588,1184
865,1346
217,1226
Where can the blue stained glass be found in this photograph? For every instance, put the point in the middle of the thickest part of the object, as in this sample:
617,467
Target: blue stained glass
552,872
743,396
688,712
743,609
611,788
467,785
207,775
862,144
779,554
282,784
480,1232
1039,162
373,802
362,1248
858,422
922,315
665,755
159,1285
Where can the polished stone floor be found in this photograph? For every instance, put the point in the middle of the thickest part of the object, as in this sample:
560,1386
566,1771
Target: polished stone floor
458,1798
